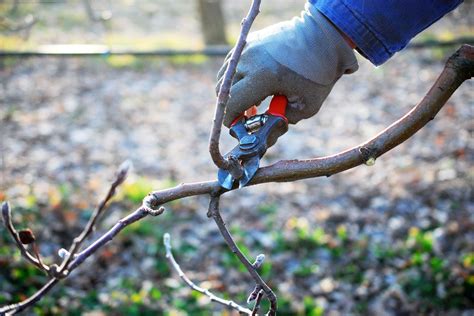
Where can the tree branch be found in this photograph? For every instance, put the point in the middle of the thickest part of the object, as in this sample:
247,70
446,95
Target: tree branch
223,96
192,285
458,68
140,213
216,216
90,226
71,260
16,308
7,219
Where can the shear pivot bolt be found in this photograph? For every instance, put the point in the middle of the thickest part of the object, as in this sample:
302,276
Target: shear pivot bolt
248,142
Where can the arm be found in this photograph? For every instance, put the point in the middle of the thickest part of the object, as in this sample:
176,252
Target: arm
380,28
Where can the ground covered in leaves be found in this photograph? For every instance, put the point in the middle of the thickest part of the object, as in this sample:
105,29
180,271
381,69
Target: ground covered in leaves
396,238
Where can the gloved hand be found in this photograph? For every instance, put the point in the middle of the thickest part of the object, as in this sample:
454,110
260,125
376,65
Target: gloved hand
301,59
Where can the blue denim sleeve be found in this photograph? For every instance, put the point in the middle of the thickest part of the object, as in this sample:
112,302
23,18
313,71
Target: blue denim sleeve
380,28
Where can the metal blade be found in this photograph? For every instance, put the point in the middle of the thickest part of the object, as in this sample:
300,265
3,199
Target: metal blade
225,179
250,168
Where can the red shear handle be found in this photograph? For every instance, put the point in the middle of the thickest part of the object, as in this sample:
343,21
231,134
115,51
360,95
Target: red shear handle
278,107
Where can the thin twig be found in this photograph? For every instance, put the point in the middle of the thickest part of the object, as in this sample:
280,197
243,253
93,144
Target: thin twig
16,308
257,292
90,226
80,258
216,216
37,254
137,215
223,96
192,285
74,261
7,219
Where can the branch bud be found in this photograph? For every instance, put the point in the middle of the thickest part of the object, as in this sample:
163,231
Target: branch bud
167,240
155,212
259,261
369,154
63,253
5,210
123,171
26,236
370,162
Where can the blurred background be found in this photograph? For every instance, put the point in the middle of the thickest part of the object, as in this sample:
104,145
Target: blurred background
396,238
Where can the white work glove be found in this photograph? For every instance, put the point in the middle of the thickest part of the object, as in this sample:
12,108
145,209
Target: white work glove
301,59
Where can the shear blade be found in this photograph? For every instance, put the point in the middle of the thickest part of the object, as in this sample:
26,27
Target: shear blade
225,179
250,168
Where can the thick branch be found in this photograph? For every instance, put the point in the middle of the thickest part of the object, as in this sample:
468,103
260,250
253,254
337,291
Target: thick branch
224,91
459,67
192,285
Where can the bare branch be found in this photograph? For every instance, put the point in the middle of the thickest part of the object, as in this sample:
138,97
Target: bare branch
79,259
223,96
16,308
258,289
90,226
108,236
459,67
7,219
192,285
216,216
257,292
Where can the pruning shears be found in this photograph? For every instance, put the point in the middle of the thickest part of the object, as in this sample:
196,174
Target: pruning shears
255,133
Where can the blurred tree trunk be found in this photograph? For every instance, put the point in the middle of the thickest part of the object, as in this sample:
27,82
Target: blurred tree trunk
212,21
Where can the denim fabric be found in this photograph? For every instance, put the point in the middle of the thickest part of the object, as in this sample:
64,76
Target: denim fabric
380,28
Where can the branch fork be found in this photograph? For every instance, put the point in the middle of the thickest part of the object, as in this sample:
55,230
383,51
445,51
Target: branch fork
70,258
